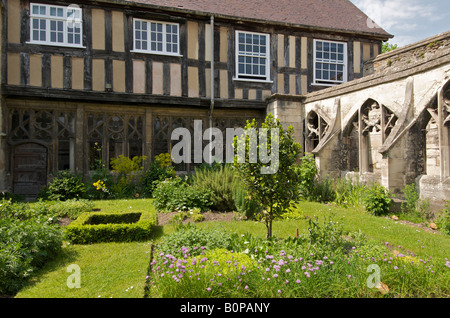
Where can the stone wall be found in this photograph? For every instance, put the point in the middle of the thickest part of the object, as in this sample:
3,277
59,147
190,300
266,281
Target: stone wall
391,126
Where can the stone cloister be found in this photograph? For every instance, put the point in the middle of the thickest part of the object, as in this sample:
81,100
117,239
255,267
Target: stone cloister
391,126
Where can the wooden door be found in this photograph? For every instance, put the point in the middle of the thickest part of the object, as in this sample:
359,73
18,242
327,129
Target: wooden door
29,169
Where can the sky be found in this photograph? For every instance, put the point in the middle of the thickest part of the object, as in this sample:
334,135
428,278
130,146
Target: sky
408,20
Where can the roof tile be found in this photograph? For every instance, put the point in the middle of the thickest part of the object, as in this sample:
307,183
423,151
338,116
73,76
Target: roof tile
340,15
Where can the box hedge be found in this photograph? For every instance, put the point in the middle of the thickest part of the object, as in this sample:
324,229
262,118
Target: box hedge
95,227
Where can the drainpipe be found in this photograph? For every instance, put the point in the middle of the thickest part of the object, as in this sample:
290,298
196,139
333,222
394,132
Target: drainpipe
211,108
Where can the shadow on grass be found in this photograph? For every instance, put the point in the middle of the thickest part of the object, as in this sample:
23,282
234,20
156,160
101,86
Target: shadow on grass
158,232
66,257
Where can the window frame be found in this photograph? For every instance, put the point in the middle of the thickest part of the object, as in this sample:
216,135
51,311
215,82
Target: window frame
252,78
48,18
322,82
164,38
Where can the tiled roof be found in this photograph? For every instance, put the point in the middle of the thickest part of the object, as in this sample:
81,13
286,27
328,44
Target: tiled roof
340,15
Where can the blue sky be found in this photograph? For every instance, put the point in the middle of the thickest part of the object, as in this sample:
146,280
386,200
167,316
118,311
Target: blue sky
408,20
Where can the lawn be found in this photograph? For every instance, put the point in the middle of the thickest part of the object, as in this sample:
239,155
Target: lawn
119,270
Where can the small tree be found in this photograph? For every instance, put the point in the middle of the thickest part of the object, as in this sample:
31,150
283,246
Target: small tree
269,167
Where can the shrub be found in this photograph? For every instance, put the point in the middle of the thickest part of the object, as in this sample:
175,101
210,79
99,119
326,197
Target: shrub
70,208
91,227
377,200
220,179
349,193
413,205
154,175
99,185
25,246
326,237
443,219
411,199
176,195
244,203
5,195
308,172
64,186
124,165
128,175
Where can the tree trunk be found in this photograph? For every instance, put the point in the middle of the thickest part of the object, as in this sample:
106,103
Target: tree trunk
269,224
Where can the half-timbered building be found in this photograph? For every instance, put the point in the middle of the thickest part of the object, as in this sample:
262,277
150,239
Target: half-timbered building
115,77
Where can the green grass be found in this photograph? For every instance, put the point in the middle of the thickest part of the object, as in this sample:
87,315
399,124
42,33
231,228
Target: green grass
354,219
110,269
124,205
116,270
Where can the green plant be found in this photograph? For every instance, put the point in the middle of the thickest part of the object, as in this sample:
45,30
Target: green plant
25,246
443,219
64,186
387,47
129,175
244,203
220,180
160,169
414,206
308,172
274,185
326,237
411,199
92,227
99,185
176,195
192,241
124,165
349,193
179,217
377,200
70,208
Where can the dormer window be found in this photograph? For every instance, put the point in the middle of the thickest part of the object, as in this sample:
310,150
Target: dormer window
56,25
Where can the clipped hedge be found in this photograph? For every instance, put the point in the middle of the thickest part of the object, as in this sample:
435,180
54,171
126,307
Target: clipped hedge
94,227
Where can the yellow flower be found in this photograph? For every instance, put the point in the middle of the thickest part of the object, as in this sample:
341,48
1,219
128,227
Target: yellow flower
99,185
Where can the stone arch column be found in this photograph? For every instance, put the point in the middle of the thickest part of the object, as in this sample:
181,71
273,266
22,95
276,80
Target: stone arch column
444,129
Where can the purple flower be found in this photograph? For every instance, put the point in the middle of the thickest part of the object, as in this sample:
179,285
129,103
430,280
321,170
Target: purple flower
208,289
298,281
